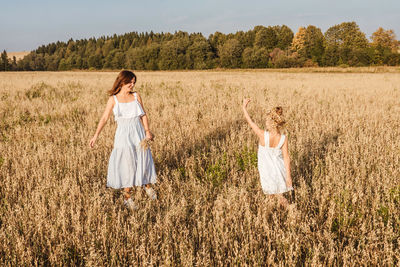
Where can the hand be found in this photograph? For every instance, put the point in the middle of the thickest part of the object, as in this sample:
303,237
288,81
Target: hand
149,135
92,141
245,102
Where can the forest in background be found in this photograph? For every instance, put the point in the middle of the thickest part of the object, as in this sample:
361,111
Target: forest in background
262,47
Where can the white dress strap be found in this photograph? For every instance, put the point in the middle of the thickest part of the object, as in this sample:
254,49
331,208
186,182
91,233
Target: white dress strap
281,141
116,107
266,138
135,95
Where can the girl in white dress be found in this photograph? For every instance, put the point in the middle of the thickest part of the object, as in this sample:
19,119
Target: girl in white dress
131,163
273,153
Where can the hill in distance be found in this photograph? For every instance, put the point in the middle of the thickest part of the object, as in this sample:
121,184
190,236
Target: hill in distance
18,55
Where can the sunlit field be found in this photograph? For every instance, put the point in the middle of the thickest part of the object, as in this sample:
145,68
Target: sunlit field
344,143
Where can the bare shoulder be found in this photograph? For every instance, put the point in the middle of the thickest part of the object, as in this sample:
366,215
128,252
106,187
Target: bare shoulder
137,94
261,132
111,101
139,98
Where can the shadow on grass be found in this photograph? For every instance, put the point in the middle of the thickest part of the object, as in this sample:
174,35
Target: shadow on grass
311,162
200,146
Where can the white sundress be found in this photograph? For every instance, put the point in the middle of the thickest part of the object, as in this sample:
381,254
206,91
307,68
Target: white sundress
129,164
271,167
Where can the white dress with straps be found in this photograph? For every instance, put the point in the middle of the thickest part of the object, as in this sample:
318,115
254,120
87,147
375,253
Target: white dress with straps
271,167
130,164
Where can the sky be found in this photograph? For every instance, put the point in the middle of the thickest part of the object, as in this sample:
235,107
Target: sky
27,24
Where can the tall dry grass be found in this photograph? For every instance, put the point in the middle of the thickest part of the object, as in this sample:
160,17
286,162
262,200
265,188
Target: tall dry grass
343,140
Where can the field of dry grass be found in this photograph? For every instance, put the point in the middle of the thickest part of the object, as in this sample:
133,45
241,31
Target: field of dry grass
343,140
17,55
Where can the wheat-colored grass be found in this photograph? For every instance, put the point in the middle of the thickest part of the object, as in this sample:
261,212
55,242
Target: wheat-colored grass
343,140
17,55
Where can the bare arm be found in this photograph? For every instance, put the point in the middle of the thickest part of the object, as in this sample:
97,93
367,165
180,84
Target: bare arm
286,161
103,120
259,132
145,119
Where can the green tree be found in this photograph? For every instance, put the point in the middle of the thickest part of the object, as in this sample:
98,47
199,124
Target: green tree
79,62
331,56
254,57
280,59
108,47
53,63
172,53
63,65
39,62
95,61
346,35
230,54
71,47
152,53
14,64
284,35
216,40
126,45
347,40
90,48
118,61
5,64
136,58
309,43
258,28
143,58
169,53
199,54
361,56
1,62
266,37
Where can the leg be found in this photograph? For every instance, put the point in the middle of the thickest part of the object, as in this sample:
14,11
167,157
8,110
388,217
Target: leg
283,201
128,202
150,192
127,192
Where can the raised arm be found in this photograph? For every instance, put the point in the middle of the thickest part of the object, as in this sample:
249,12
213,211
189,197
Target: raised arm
145,120
259,132
103,120
286,161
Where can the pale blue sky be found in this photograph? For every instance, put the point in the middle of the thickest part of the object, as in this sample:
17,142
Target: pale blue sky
24,25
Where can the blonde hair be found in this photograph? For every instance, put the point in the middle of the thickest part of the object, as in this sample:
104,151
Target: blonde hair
277,118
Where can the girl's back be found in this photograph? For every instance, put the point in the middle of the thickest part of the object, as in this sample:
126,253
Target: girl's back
274,150
271,165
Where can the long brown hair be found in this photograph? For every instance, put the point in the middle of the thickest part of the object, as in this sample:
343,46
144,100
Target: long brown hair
124,77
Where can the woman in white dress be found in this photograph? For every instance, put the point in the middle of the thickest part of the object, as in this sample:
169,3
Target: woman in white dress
131,163
273,153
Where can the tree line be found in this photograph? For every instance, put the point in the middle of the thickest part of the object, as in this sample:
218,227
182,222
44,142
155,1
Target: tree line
262,47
